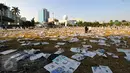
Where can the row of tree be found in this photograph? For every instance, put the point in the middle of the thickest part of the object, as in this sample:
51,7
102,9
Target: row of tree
24,24
110,23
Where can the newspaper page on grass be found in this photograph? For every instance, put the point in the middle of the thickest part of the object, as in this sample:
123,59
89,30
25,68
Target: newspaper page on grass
96,69
101,69
64,64
105,69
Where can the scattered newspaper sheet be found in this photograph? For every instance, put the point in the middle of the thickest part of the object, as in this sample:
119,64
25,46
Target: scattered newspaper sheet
101,69
76,50
78,57
90,54
7,52
62,64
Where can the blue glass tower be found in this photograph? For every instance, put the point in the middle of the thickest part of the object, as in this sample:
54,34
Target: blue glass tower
43,15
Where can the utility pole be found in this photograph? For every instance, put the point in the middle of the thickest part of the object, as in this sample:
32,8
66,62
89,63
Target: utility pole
53,15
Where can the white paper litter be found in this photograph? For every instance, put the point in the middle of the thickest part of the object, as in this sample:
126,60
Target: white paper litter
104,44
101,41
62,37
78,57
35,44
105,69
93,41
76,50
16,55
112,54
115,41
126,51
96,69
127,54
1,46
127,58
87,46
115,56
50,67
89,54
44,43
7,52
59,59
101,54
53,39
74,40
2,41
25,44
57,46
109,53
22,57
60,43
59,51
22,42
83,42
101,69
65,64
115,37
36,56
85,39
32,51
123,50
102,38
46,55
84,50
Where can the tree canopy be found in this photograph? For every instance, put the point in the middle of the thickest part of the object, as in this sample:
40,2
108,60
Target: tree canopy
110,23
15,10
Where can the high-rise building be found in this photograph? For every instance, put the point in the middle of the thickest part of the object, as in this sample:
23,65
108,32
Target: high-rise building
6,15
43,15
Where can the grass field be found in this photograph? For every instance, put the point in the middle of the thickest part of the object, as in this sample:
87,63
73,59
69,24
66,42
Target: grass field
119,65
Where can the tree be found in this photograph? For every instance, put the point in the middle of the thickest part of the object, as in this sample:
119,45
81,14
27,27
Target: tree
111,22
32,22
16,12
80,23
118,23
123,21
97,23
26,24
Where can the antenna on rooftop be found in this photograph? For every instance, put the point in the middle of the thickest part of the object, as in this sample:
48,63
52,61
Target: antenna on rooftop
53,15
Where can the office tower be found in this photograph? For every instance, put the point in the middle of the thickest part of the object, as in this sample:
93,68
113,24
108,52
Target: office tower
43,15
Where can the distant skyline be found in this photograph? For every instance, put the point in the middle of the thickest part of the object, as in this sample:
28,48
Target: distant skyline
89,10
